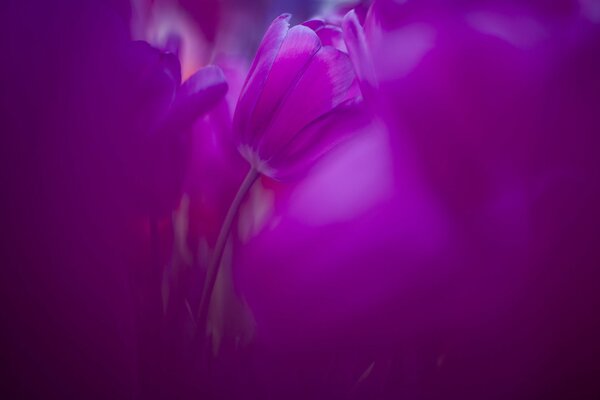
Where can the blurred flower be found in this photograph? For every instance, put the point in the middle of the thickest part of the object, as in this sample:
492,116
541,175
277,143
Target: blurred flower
155,149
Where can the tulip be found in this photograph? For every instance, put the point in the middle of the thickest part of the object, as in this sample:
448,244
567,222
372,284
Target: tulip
293,82
295,90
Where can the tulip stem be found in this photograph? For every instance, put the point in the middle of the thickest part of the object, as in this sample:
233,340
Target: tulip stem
213,268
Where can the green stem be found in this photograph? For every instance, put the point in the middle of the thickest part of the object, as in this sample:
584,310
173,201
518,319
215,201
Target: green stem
213,268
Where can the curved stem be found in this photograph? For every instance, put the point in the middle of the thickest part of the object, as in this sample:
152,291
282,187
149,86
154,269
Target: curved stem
213,268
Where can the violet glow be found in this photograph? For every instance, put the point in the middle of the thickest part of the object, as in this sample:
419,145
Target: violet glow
369,199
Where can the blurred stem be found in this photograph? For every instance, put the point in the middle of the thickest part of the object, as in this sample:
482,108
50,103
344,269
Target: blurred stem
213,269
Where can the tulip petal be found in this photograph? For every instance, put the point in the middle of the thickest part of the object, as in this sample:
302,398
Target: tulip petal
197,96
330,34
295,54
324,85
355,39
259,71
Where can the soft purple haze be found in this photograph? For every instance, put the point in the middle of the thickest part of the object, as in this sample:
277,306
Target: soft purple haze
421,222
